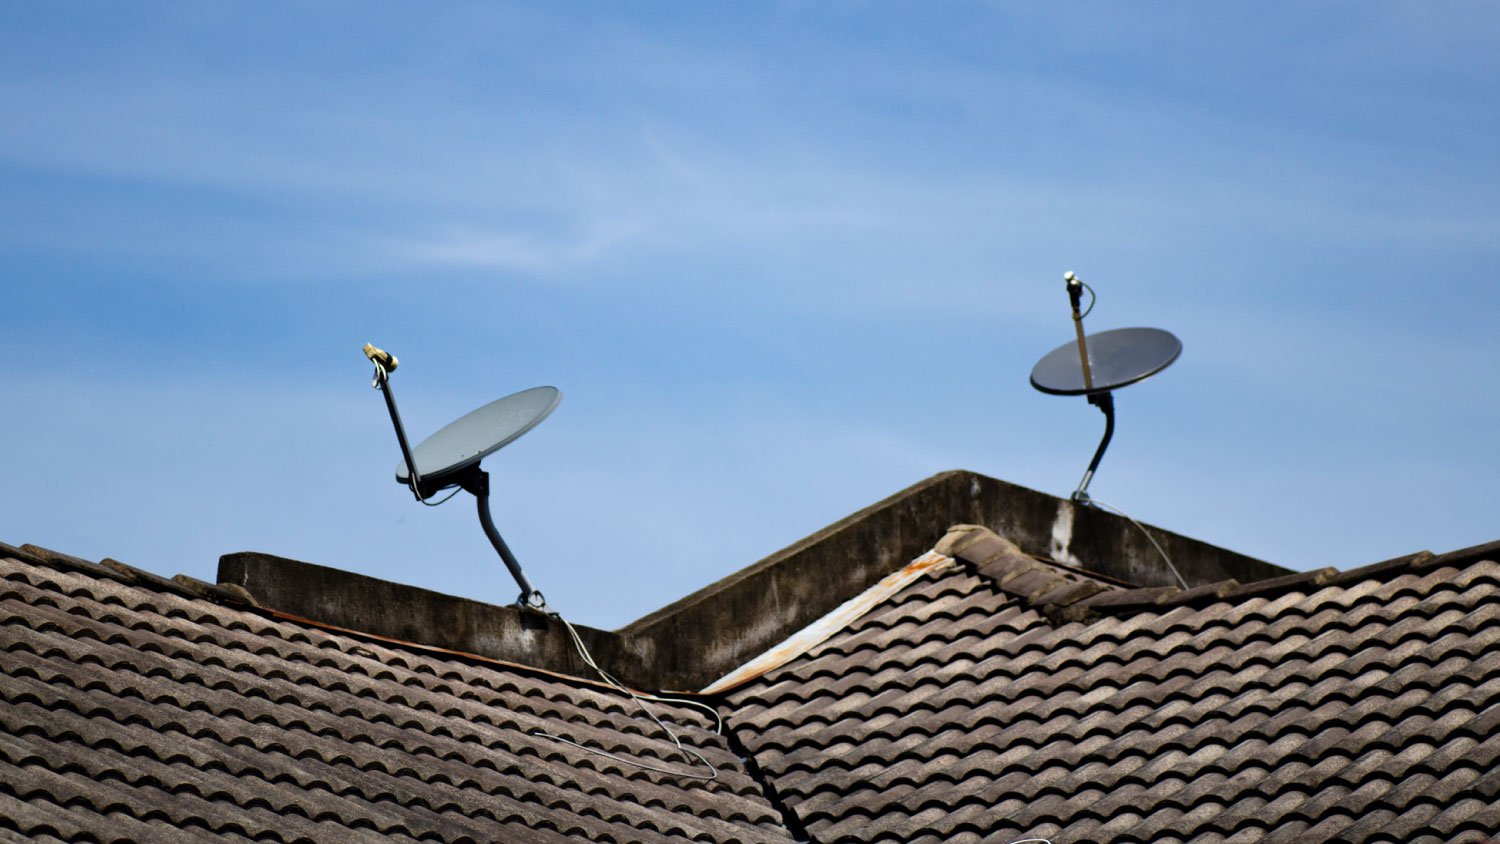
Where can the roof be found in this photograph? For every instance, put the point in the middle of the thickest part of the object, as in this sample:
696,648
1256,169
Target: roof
133,710
999,697
909,682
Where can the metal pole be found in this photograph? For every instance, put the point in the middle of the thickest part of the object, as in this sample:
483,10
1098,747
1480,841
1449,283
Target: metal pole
1075,295
1106,403
390,404
478,483
385,364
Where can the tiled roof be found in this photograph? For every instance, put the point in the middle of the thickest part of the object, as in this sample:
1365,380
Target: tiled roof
980,692
1001,697
136,708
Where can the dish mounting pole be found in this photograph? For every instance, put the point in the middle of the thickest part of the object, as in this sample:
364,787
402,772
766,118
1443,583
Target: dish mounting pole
477,482
1105,400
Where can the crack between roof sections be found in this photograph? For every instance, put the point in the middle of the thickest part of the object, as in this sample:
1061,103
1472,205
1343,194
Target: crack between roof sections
789,819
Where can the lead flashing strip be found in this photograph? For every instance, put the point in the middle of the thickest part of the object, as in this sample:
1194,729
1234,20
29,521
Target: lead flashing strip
839,618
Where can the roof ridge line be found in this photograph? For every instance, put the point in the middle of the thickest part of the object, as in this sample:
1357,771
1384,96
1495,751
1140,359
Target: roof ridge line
227,594
1067,593
1043,584
109,568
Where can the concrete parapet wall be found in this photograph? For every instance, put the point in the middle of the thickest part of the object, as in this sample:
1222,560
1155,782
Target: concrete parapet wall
703,636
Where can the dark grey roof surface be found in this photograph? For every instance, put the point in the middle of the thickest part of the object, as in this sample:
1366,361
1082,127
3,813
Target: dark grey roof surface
1362,706
138,711
986,695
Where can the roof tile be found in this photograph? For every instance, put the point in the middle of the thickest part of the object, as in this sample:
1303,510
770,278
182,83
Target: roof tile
1003,698
1298,707
1123,600
141,703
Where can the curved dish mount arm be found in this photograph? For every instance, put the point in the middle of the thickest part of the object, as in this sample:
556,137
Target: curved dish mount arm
1105,401
477,482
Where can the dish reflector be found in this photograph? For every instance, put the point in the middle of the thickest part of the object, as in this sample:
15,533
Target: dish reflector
1117,358
442,457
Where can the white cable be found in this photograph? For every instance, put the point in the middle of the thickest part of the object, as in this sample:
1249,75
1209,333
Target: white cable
588,658
682,701
1168,560
636,763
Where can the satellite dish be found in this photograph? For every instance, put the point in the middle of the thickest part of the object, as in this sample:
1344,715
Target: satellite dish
450,457
1117,358
1097,364
442,458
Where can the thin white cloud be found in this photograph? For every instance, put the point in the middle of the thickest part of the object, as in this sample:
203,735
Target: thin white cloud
527,252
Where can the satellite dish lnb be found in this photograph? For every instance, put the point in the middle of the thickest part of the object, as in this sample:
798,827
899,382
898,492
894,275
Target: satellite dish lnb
450,457
1097,364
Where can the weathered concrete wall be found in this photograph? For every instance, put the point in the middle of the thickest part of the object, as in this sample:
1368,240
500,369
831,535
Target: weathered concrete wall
707,634
412,614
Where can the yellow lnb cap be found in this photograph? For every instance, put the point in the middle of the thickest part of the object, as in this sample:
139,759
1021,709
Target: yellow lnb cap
381,358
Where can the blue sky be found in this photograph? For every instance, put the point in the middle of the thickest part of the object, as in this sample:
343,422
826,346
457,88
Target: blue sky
783,259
